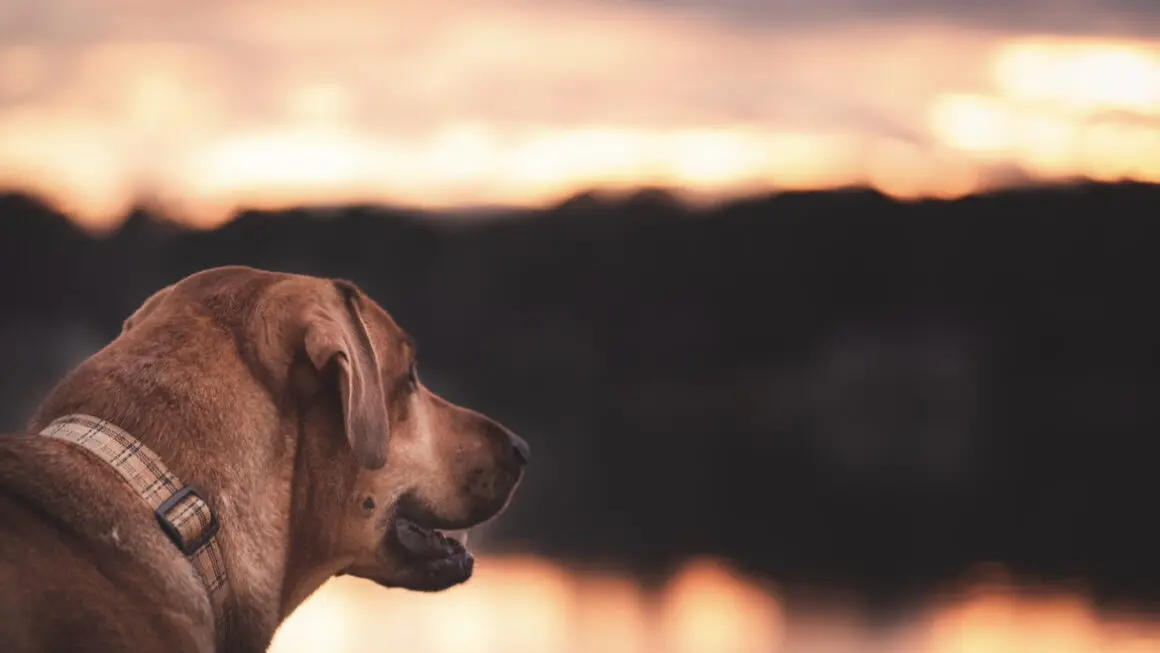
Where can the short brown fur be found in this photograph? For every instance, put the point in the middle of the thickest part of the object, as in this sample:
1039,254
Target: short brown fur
289,401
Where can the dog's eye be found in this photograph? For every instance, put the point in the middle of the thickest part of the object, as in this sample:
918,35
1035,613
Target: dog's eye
413,375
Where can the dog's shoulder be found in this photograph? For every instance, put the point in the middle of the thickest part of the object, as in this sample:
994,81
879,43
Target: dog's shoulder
75,571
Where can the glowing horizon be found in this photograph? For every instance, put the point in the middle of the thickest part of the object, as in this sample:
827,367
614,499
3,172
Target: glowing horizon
269,104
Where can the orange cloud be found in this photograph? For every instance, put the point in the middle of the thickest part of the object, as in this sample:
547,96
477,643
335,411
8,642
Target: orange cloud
445,104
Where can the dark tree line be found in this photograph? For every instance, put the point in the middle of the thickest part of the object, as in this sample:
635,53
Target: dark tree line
825,387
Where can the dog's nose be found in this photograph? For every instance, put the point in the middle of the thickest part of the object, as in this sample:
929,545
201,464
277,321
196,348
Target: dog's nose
523,451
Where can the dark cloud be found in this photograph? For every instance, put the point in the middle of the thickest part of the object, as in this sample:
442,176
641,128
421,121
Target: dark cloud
1127,17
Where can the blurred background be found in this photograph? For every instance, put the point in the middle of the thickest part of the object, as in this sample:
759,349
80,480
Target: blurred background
829,323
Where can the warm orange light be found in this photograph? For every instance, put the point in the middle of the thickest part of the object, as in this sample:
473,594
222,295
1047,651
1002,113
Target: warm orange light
529,605
998,620
975,124
612,616
707,607
1082,76
907,171
90,183
1062,109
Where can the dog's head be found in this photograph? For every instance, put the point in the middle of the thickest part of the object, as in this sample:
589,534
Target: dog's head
391,465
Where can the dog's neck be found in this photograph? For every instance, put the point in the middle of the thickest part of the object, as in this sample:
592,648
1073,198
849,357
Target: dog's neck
251,494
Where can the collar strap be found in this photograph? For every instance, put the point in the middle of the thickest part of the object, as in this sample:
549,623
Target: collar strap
182,513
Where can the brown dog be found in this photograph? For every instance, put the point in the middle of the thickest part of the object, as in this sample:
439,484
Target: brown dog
292,404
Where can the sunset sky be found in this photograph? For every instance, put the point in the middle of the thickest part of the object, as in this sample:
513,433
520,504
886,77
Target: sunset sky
453,102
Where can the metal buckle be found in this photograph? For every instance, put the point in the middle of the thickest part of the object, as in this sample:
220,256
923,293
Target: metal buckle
174,533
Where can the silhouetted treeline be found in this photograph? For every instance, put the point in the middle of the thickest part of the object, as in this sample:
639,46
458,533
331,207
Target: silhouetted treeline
825,387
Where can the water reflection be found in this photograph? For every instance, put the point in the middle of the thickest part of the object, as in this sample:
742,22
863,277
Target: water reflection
529,605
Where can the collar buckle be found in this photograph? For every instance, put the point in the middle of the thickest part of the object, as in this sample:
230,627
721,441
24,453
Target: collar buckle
197,510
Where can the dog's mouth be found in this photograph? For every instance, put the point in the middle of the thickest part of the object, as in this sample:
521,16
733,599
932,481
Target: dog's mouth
430,543
430,559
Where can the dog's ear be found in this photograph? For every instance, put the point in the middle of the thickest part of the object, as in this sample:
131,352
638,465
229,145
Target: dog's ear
336,334
145,309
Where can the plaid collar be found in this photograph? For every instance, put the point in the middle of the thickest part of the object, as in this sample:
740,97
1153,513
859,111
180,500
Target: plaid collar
181,512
